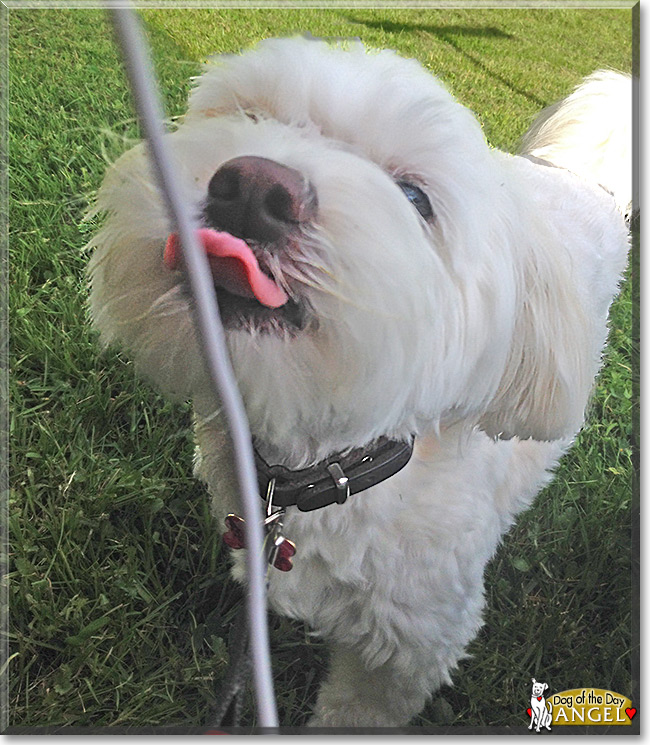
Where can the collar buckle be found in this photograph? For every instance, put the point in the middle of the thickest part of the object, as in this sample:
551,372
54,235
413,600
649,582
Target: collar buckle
341,481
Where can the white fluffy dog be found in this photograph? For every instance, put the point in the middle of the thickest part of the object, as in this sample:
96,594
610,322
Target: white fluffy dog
386,279
540,714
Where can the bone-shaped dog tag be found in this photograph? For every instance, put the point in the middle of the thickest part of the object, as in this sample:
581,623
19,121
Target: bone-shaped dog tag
280,550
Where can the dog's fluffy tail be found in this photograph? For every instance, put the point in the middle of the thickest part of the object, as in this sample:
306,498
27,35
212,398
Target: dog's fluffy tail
590,133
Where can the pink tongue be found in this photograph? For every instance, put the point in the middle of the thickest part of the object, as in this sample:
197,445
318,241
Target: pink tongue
233,265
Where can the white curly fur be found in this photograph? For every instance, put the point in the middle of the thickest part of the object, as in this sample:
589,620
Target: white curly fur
481,333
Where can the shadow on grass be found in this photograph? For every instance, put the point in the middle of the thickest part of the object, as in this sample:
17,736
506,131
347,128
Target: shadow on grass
451,35
429,28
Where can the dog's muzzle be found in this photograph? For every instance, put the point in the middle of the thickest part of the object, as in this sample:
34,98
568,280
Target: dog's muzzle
255,208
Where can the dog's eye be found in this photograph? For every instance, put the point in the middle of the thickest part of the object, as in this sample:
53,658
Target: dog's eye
417,198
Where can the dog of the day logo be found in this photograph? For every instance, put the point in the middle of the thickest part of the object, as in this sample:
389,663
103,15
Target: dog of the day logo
578,706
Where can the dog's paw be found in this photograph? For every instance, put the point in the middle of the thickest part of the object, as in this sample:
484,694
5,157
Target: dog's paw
352,714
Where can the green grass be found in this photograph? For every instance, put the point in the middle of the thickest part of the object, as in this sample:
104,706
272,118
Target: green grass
120,601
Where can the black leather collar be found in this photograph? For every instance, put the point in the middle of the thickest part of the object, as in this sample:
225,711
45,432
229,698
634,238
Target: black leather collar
335,478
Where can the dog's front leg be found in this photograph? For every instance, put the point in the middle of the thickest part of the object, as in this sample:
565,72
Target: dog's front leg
355,695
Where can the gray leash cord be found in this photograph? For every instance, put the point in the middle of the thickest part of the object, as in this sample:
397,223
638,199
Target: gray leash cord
141,77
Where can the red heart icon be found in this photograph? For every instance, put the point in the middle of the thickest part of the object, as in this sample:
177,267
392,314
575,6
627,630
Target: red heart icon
529,712
630,713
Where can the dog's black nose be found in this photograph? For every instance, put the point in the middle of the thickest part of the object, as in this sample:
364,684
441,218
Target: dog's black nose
258,199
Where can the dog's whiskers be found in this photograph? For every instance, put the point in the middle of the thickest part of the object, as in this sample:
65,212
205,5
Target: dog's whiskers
171,302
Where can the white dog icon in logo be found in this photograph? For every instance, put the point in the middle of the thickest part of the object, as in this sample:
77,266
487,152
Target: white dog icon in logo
540,716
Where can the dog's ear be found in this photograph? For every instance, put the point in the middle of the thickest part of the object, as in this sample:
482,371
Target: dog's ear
554,353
